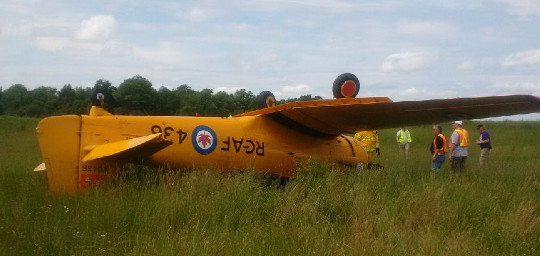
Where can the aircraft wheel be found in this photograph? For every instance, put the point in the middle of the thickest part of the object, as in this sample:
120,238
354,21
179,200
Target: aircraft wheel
99,96
265,100
346,85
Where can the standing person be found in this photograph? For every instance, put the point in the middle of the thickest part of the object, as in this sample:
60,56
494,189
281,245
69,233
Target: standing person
370,141
403,138
438,149
459,142
485,144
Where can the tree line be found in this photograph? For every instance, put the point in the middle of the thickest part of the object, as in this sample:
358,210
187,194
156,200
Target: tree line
134,96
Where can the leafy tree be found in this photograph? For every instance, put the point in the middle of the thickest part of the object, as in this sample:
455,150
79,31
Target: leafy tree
42,101
186,99
204,104
1,108
81,103
136,96
309,97
245,101
66,96
301,98
104,85
15,99
224,104
167,102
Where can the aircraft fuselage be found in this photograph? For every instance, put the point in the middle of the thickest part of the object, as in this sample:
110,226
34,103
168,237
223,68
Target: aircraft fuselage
253,143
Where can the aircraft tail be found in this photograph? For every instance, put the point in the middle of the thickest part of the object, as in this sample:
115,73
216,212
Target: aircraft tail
59,141
70,165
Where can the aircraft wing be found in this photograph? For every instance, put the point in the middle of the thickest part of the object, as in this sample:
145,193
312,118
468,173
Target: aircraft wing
348,115
140,146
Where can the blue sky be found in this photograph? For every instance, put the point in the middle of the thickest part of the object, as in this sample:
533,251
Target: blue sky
406,50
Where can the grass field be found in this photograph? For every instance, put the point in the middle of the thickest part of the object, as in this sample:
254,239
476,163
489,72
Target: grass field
404,209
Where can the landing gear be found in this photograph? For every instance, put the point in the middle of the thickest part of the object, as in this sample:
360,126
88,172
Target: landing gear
265,100
102,98
346,85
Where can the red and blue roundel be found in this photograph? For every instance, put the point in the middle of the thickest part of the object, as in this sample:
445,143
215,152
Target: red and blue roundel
204,139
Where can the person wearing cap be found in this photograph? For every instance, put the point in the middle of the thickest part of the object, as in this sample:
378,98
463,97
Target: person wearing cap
484,141
459,142
403,138
438,149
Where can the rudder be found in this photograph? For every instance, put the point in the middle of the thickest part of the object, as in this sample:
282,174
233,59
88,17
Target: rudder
59,141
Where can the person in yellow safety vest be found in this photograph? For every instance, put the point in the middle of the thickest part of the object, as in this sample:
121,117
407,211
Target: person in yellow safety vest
403,138
459,142
370,141
438,149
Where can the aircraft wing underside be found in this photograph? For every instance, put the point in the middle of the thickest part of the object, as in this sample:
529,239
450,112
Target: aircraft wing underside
334,117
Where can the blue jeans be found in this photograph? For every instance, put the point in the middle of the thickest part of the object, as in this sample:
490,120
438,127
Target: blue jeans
439,160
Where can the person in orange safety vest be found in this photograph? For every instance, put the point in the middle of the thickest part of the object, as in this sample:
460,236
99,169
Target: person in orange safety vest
438,149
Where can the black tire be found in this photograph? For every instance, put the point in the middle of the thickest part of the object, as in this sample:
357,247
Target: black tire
99,95
346,85
265,100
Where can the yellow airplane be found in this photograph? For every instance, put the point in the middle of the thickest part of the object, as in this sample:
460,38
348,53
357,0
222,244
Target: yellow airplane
81,150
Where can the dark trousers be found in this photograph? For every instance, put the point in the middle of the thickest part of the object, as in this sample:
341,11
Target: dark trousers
458,163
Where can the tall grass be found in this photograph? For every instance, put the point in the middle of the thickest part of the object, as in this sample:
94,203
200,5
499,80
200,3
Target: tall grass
404,209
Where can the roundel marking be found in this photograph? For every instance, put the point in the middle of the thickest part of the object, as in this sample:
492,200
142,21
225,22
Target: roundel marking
348,88
204,139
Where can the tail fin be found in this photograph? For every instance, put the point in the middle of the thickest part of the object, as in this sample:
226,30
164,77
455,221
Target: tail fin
70,165
59,139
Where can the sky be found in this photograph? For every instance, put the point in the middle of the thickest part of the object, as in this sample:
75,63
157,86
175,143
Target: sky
405,50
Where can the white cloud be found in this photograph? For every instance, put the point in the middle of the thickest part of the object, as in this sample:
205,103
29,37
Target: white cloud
521,8
116,49
293,91
287,5
196,14
519,87
526,58
405,62
98,28
427,28
467,65
301,88
234,28
163,53
69,45
93,39
229,89
261,61
476,64
35,26
10,30
52,43
263,45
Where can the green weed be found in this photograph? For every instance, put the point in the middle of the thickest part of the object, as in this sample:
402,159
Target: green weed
403,209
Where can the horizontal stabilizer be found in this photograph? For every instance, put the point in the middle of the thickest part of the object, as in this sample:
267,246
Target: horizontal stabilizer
136,147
